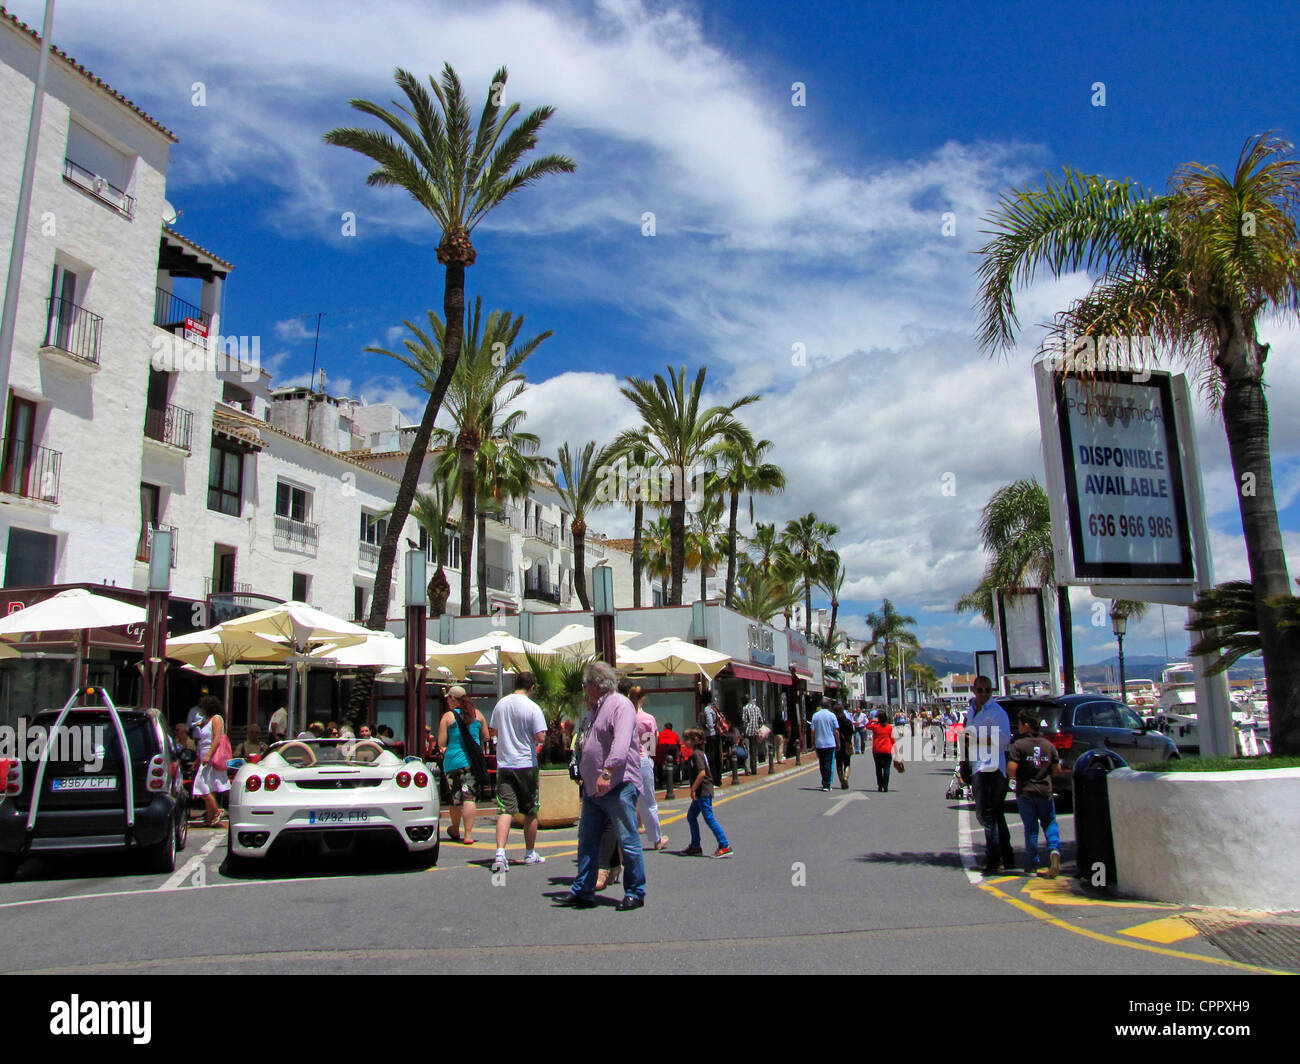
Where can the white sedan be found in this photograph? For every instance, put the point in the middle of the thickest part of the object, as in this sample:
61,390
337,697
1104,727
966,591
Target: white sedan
329,796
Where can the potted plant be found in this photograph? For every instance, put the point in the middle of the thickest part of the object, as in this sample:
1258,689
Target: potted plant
559,693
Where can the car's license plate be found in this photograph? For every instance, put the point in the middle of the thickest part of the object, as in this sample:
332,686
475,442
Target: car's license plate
85,783
338,816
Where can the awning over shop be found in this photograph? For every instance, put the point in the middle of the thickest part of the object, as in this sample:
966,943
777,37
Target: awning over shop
749,672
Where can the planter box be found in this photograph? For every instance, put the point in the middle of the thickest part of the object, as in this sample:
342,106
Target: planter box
560,797
1223,839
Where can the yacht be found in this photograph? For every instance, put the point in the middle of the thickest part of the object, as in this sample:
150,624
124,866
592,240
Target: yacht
1176,715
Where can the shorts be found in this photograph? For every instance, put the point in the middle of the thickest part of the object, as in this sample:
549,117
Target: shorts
463,785
517,791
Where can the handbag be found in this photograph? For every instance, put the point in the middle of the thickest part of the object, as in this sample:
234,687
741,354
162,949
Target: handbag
473,751
575,759
221,753
900,765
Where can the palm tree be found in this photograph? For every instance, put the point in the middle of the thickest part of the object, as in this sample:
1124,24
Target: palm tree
682,436
486,383
505,469
762,594
657,553
1193,270
458,174
831,578
432,511
1016,526
636,467
979,600
889,628
579,494
741,469
807,541
705,547
559,693
767,551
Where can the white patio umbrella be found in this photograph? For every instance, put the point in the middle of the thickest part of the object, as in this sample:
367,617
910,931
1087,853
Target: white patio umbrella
217,651
75,610
497,648
383,650
673,657
580,639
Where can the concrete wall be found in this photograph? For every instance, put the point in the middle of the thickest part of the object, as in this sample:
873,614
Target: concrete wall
1208,838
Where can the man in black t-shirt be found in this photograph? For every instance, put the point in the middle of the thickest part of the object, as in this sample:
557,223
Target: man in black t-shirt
1032,761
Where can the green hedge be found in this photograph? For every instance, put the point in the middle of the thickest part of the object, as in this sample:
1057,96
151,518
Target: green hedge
1220,764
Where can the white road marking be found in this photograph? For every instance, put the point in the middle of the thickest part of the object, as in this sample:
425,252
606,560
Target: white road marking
968,858
852,796
178,878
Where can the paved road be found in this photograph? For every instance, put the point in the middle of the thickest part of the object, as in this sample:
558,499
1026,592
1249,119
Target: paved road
874,884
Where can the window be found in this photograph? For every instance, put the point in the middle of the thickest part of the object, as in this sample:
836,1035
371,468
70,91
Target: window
225,479
149,509
451,555
30,559
223,568
301,587
292,502
374,527
358,603
1128,719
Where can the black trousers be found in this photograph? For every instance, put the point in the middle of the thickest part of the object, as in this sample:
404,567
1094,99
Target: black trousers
990,799
884,762
713,748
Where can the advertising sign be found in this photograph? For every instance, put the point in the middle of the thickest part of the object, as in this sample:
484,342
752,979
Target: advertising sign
986,664
1022,631
195,331
872,687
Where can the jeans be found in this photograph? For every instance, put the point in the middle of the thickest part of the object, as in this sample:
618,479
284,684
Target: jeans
884,762
1035,811
990,794
646,801
617,806
704,805
825,757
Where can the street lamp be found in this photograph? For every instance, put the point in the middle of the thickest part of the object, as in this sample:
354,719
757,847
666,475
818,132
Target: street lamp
1118,624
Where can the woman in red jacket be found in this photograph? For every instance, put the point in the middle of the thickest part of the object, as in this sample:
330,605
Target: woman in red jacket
882,748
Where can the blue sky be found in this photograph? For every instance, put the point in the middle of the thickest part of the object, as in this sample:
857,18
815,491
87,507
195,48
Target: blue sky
775,225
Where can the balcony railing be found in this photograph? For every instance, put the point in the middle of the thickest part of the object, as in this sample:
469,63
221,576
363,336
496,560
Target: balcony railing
237,589
545,531
499,578
98,187
593,546
368,555
543,590
29,471
73,329
171,425
145,547
170,312
299,536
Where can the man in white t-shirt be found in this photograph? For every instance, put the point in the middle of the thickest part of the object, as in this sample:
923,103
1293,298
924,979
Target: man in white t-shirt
279,724
519,727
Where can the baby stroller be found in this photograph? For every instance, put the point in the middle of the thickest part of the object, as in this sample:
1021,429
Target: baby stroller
961,786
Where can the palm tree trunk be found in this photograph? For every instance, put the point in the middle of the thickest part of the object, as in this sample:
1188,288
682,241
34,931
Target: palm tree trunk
482,564
731,548
580,568
703,585
468,499
1245,416
830,636
677,523
439,592
807,609
638,514
663,589
453,306
1066,619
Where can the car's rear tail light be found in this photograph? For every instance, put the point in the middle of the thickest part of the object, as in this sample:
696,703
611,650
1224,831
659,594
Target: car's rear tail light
157,773
403,779
13,777
272,782
1060,740
253,783
422,779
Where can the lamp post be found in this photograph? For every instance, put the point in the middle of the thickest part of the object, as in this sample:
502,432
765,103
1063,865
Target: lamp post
155,629
602,608
417,608
1119,624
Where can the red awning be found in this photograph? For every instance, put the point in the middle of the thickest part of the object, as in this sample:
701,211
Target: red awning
749,672
800,670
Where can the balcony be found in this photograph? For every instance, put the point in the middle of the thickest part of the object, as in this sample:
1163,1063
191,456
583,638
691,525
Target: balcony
367,555
72,332
593,546
506,515
501,579
543,591
172,425
91,182
301,537
144,548
544,531
30,472
172,313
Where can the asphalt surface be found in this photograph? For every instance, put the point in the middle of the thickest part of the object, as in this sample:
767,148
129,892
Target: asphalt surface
877,883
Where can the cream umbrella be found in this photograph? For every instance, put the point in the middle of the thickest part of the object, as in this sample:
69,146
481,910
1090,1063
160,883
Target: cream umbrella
672,657
215,652
580,640
496,648
382,650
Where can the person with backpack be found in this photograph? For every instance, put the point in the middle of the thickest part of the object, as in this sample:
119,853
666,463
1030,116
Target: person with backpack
462,736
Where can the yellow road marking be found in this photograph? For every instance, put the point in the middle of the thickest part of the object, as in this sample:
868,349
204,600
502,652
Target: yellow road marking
1039,914
1166,930
1061,891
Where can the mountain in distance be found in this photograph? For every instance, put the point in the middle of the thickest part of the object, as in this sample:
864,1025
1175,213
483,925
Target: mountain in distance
1137,667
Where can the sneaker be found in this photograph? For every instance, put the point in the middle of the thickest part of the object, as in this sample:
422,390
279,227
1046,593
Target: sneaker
723,851
1054,864
692,851
534,858
827,789
501,863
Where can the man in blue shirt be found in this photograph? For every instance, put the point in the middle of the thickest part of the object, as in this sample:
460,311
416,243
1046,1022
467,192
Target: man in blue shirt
826,737
990,728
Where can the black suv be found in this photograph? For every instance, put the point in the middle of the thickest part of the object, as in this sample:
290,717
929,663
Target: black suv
83,801
1076,723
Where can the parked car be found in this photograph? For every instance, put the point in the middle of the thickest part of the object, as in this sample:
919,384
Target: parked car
323,796
90,797
1075,723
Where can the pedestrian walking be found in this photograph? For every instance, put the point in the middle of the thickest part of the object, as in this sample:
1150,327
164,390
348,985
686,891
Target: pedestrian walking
882,748
463,735
992,730
609,765
519,727
751,722
1032,762
702,799
711,725
646,728
844,752
211,779
826,738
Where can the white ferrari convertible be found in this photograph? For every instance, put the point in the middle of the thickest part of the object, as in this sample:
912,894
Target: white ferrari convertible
332,796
